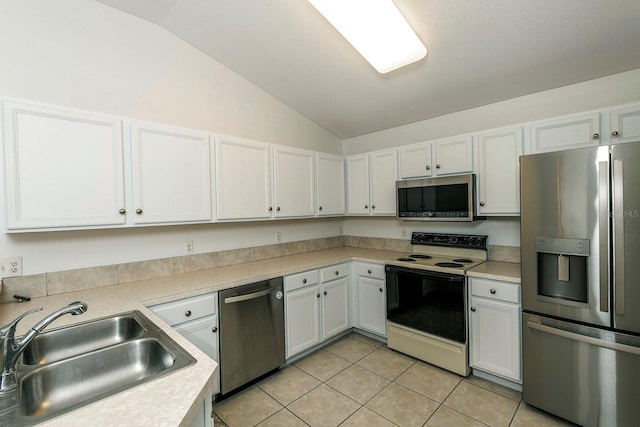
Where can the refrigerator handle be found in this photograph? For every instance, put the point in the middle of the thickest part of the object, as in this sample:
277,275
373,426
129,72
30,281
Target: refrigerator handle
618,235
603,233
583,338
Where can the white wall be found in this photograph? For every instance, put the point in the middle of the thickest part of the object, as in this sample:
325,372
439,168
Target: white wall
85,55
593,94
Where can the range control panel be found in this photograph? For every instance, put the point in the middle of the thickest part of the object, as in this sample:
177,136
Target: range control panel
452,240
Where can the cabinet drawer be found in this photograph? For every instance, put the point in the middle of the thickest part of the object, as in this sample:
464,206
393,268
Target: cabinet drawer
371,270
300,280
187,309
493,289
334,272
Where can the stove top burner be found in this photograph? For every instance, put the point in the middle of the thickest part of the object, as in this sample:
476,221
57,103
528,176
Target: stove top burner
463,260
420,256
407,259
449,264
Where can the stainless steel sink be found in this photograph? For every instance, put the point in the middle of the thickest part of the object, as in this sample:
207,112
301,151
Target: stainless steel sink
67,342
105,356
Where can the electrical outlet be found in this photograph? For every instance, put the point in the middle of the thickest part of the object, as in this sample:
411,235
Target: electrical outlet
188,247
278,237
11,267
404,232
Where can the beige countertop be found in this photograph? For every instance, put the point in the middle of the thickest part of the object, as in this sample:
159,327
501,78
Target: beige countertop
173,399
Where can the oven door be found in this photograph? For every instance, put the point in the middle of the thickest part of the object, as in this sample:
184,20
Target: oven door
430,302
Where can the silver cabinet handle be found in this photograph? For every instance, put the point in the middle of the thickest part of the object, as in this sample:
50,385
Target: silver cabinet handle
187,313
615,134
252,295
325,292
381,290
437,166
122,211
320,208
618,233
337,272
373,206
493,291
317,295
138,211
366,206
369,271
596,136
214,329
270,208
428,168
278,209
304,280
481,203
473,309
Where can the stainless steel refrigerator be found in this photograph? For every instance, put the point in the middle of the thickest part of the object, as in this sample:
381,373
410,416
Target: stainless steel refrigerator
580,237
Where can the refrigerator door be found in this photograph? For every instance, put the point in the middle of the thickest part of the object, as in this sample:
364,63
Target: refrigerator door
586,375
564,234
625,160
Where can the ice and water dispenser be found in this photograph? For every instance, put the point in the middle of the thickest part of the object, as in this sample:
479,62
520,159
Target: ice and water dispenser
562,269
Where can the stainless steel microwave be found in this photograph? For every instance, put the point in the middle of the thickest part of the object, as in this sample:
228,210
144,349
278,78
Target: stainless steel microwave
450,198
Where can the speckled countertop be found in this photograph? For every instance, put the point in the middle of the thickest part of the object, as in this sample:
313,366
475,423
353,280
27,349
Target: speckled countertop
172,400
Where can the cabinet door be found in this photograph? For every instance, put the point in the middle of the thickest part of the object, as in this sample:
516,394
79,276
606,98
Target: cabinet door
202,418
577,131
171,174
294,183
499,152
371,305
302,318
625,124
243,179
63,168
330,184
415,160
203,333
384,173
358,184
453,155
495,338
335,307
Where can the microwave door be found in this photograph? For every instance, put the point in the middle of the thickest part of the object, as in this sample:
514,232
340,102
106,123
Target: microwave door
625,159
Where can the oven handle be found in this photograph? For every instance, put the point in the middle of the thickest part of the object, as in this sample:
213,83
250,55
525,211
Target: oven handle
427,273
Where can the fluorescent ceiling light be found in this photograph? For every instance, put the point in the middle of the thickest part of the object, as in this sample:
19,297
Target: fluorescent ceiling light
377,30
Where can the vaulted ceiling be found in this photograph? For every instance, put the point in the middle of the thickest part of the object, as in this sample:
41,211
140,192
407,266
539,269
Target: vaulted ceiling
480,52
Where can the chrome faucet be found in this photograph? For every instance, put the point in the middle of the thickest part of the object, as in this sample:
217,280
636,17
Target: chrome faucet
12,349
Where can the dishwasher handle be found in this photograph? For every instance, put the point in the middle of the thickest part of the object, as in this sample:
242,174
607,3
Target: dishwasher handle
252,295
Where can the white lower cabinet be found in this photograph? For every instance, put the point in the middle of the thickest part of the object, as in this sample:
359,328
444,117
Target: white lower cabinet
316,307
371,298
196,319
494,328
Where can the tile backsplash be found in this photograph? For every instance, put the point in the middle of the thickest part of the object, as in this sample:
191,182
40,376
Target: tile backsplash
59,282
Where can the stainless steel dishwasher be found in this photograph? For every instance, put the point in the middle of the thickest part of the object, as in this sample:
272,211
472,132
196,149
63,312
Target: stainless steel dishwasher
251,332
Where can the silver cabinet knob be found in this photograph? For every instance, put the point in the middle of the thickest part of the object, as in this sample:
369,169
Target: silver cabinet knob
596,136
187,313
325,292
320,208
615,134
369,271
138,211
214,329
473,309
381,290
373,206
493,291
304,280
270,208
437,166
278,208
122,211
428,168
337,272
366,206
481,203
318,295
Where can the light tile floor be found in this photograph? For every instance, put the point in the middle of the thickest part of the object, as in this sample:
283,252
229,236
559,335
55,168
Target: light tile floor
358,381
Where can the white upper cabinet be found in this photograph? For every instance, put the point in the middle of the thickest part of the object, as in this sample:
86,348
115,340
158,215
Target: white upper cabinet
243,179
294,182
63,168
576,131
371,183
330,184
442,157
171,174
499,152
625,124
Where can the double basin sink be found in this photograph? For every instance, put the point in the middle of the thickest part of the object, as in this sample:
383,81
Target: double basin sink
70,367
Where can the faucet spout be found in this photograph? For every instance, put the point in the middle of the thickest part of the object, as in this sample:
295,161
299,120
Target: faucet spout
13,349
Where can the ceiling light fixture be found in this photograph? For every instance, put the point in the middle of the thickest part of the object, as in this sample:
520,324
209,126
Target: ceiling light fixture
377,30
